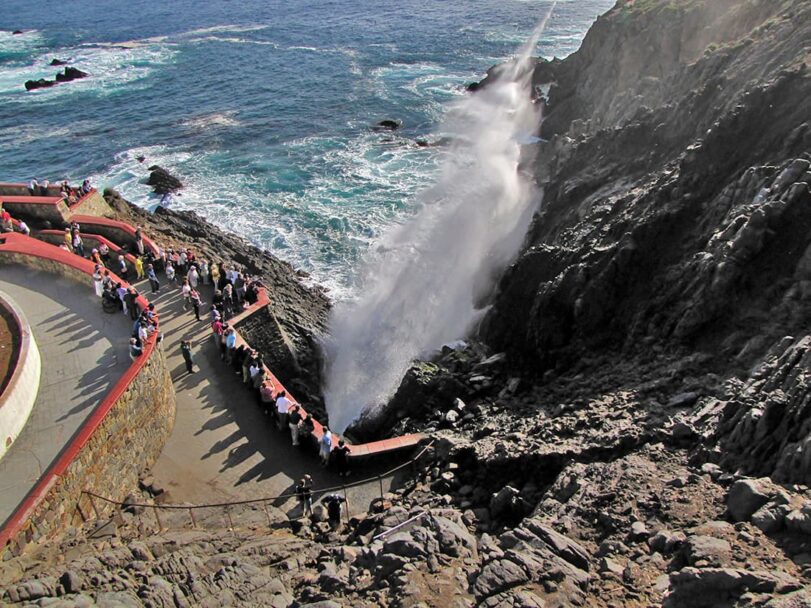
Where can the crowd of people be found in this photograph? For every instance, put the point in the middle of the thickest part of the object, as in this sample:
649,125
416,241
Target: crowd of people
70,194
233,291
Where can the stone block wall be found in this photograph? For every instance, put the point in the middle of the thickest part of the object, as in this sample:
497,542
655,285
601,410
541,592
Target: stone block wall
128,440
93,204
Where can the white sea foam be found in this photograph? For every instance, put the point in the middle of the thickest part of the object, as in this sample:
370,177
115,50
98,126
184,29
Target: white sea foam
353,191
109,68
423,282
212,120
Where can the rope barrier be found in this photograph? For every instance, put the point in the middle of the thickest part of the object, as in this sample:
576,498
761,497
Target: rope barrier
375,479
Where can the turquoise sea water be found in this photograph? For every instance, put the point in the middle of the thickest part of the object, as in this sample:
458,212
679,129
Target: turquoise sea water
261,107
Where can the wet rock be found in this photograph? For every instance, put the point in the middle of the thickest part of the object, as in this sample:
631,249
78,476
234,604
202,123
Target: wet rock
42,83
387,125
162,181
69,74
57,62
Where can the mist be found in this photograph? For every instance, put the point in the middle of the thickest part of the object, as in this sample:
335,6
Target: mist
423,284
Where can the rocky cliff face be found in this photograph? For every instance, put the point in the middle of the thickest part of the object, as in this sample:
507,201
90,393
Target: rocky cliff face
677,207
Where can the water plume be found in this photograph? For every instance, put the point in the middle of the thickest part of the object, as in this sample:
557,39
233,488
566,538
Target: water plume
422,286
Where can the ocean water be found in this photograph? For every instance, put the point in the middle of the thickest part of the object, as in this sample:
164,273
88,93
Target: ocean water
263,108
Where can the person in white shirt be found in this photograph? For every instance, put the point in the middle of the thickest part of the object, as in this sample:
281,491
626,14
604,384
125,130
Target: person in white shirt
282,407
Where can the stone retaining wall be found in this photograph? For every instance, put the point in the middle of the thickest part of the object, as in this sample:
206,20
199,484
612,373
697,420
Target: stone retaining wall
123,436
128,440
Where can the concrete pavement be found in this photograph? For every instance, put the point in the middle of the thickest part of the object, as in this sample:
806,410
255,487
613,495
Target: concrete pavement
84,353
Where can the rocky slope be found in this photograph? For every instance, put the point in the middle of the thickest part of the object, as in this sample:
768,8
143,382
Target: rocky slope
632,424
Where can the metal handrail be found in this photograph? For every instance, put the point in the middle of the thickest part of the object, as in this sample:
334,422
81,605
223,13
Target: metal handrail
265,499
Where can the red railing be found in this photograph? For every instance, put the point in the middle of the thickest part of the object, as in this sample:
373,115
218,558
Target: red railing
13,243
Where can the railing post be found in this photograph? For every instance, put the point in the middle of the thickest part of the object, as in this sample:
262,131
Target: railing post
93,504
346,502
230,521
193,521
157,518
380,480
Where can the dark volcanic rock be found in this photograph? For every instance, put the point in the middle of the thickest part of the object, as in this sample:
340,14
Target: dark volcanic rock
70,74
388,125
162,181
57,62
42,83
17,32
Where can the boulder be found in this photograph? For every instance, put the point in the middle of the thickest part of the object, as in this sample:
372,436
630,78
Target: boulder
58,62
16,32
162,181
747,496
497,576
701,550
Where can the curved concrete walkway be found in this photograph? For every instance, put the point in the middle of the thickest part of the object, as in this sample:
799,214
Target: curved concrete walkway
84,352
223,448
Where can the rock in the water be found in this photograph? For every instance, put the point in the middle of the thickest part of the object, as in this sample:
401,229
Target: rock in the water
70,74
57,62
42,83
16,32
162,181
388,125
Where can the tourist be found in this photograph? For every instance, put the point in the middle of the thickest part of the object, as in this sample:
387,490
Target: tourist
217,331
6,225
121,292
43,187
246,367
282,407
305,495
170,273
215,274
293,420
193,277
104,252
267,395
77,244
107,280
23,227
325,447
86,187
123,271
69,239
139,268
334,502
97,283
185,292
95,257
196,302
33,187
139,242
239,289
341,458
135,349
185,349
307,430
230,344
153,278
204,272
131,298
